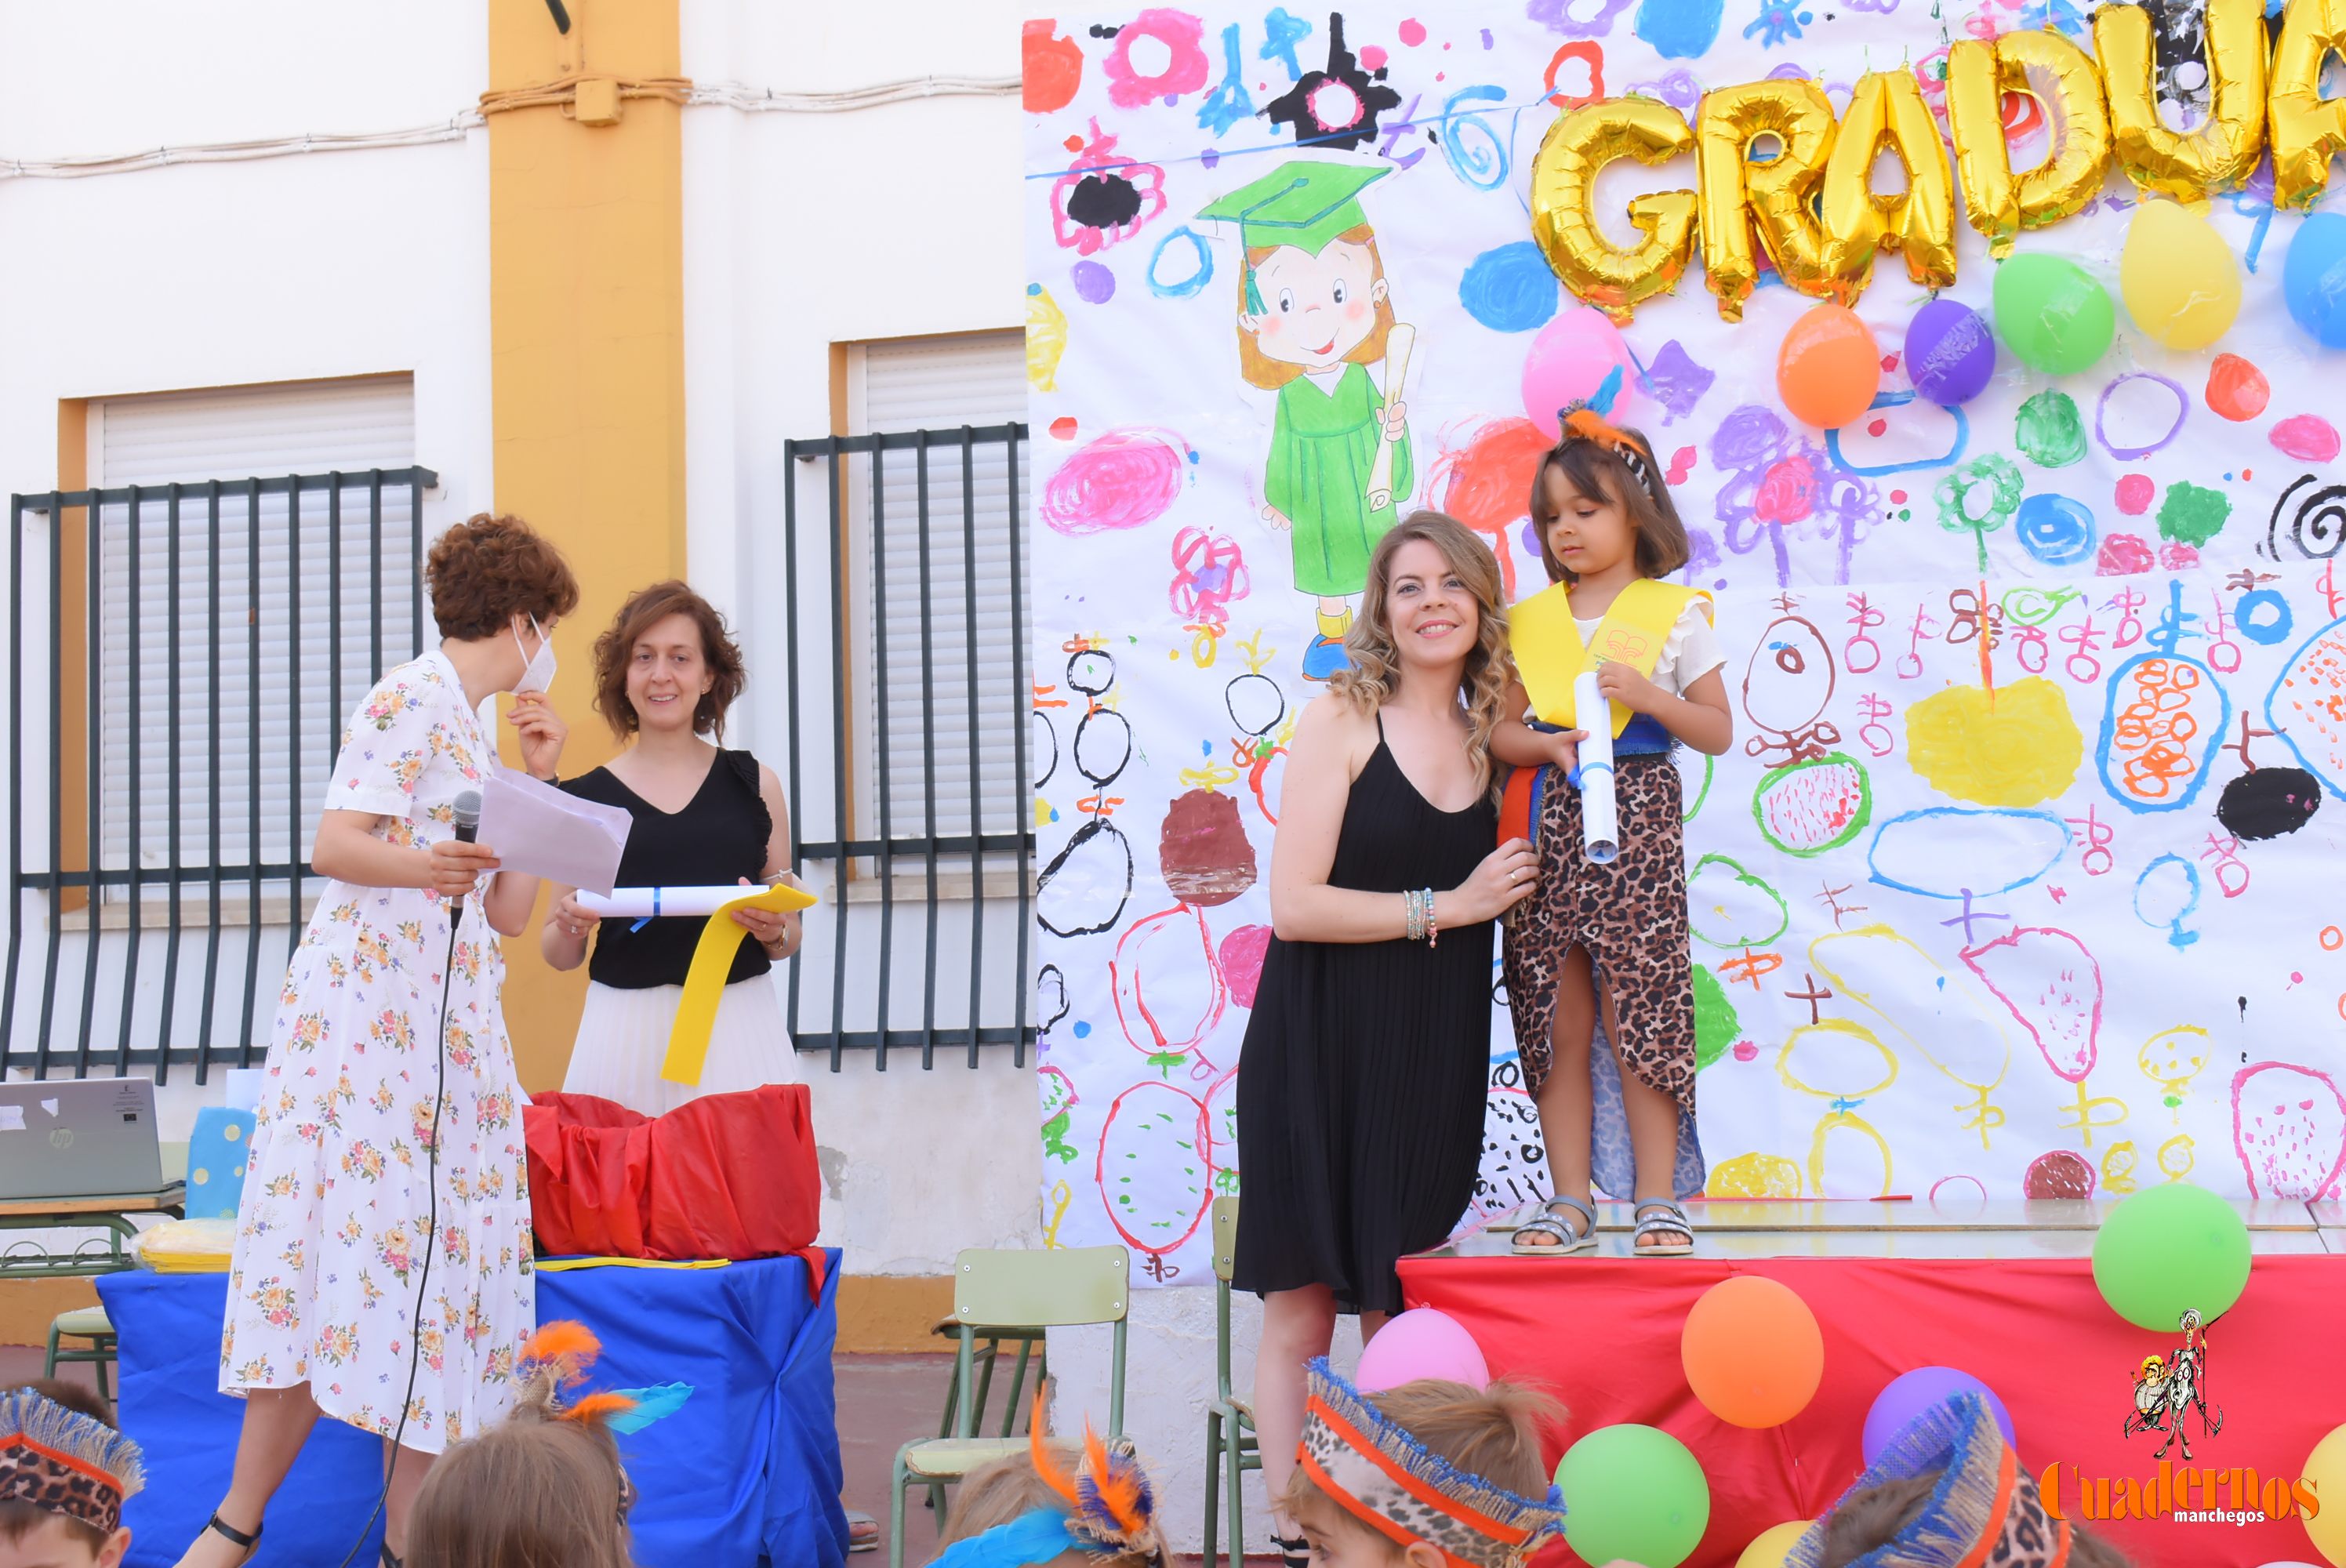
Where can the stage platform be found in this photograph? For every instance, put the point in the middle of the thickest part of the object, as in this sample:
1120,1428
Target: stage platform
1918,1227
2001,1288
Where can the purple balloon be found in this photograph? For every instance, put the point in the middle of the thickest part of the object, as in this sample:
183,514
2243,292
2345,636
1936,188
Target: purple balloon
1950,352
1911,1393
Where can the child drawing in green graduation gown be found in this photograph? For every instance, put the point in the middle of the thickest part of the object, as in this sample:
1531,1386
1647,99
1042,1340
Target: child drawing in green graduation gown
1314,312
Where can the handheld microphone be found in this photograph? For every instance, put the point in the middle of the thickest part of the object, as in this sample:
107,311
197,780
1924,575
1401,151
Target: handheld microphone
468,816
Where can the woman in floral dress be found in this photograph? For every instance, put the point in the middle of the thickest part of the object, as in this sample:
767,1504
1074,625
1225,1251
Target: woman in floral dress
333,1235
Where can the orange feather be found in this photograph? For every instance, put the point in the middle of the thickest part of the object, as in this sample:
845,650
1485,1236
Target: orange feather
1587,423
592,1408
569,1347
1047,1467
1119,1490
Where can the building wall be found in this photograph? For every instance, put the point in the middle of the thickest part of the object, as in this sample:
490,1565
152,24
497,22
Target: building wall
806,230
800,232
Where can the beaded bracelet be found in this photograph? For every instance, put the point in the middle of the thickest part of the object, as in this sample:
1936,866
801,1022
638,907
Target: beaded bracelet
1417,916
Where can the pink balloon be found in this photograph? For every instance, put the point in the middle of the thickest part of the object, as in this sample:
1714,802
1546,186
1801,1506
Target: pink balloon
1570,359
1419,1345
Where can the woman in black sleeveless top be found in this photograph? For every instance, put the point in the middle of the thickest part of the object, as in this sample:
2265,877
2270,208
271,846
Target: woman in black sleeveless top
665,673
1363,1080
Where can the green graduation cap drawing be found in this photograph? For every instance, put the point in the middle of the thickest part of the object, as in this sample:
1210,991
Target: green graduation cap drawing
1304,205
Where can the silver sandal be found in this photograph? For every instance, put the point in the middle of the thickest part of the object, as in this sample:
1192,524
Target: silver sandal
1671,1218
1551,1223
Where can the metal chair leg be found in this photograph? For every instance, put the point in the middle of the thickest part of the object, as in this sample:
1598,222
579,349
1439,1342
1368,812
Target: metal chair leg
1212,1557
896,1515
49,1366
1234,1455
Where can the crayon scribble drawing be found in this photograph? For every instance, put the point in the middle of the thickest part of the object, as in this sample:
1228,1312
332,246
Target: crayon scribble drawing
2018,880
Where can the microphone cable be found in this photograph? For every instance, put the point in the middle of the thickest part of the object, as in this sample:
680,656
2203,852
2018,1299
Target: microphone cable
468,824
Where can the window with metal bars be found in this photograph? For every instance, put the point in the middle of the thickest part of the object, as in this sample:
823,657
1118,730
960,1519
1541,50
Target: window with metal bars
906,621
182,656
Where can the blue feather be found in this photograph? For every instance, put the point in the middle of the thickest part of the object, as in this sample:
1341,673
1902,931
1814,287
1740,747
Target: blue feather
1038,1537
1607,391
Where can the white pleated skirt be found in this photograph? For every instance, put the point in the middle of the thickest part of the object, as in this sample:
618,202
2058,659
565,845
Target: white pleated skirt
623,1039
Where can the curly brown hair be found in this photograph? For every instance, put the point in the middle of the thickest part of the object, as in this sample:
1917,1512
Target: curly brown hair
1374,675
643,611
487,570
1591,469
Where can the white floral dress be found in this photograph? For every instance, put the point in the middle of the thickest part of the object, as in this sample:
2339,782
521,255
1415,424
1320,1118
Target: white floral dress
332,1230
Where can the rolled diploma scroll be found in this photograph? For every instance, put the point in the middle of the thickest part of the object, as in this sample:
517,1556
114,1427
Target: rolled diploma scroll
641,903
1600,833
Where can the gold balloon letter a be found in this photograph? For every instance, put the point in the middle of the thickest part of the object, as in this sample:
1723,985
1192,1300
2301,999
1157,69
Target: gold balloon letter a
2220,154
1887,110
1564,218
2307,130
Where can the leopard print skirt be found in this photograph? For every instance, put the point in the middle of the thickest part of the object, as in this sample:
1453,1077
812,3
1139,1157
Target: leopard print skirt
1631,917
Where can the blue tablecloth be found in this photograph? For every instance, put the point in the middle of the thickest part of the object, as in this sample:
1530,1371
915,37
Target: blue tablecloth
746,1473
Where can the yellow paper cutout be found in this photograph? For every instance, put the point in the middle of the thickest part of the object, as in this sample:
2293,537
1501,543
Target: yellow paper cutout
704,983
1550,654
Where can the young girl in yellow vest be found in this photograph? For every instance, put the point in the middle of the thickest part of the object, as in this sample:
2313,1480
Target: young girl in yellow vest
1608,940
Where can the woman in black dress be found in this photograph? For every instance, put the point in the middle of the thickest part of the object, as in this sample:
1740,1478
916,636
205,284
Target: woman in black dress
665,675
1362,1081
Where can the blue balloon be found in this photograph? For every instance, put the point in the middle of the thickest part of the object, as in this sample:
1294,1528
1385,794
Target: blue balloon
2314,279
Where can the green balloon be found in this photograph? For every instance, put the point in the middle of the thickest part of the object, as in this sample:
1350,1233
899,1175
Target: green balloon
1634,1494
2169,1250
2053,313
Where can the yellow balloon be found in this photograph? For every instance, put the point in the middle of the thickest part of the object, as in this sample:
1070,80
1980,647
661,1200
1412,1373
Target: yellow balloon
1886,110
1975,116
2307,130
1564,218
1777,192
2222,153
2181,283
1770,1547
2326,1469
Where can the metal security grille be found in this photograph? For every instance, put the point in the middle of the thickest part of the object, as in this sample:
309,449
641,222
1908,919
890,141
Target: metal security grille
905,619
180,661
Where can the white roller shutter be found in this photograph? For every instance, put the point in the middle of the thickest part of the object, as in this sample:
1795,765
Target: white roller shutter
299,428
939,384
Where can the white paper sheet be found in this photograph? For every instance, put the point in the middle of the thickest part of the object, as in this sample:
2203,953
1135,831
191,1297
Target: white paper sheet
537,829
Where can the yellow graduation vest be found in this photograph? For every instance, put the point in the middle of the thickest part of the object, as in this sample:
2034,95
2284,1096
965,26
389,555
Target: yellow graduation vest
1550,655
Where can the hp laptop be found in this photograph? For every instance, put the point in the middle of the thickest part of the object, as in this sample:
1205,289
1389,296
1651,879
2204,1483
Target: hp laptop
78,1137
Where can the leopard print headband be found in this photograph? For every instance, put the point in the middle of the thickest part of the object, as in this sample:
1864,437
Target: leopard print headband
1983,1509
1388,1481
65,1462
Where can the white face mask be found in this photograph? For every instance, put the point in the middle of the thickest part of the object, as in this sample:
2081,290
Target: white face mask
538,673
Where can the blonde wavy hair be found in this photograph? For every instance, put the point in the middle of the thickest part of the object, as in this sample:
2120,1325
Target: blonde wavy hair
1370,684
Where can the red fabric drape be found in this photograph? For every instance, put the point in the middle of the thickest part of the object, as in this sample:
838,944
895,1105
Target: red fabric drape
1602,1334
728,1176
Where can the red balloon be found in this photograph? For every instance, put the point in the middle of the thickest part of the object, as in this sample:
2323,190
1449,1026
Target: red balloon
1828,368
1753,1353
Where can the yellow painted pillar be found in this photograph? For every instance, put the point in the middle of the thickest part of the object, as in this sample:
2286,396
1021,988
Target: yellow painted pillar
587,339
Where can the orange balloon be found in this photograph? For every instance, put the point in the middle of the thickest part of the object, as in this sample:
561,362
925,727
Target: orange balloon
1828,368
1753,1353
